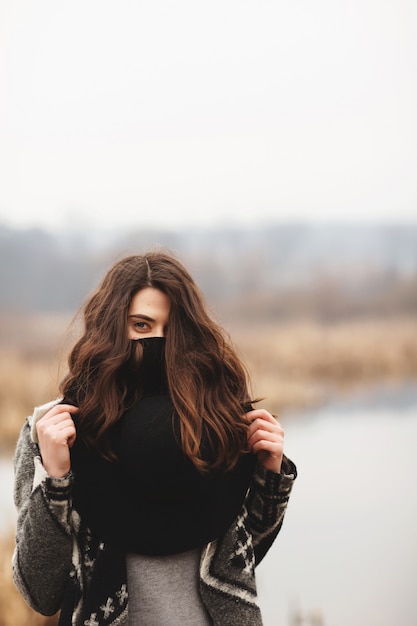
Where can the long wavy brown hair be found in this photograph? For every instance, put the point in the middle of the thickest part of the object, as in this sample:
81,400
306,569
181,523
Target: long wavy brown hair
207,381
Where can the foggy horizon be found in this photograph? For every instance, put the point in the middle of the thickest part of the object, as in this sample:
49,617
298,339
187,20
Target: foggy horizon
144,114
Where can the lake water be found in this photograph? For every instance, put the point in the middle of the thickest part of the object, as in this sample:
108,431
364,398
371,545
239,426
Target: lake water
348,548
347,552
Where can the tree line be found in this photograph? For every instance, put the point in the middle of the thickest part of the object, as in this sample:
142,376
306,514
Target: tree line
271,271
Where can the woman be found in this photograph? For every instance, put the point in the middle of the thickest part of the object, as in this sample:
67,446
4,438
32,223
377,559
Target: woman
150,490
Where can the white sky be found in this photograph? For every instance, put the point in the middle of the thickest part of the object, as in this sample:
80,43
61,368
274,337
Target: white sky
168,113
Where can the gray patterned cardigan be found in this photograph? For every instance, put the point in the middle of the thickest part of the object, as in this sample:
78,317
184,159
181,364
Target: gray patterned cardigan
58,565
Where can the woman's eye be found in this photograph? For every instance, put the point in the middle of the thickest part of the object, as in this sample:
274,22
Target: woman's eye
141,325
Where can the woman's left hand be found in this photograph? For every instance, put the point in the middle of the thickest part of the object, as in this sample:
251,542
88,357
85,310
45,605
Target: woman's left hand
266,439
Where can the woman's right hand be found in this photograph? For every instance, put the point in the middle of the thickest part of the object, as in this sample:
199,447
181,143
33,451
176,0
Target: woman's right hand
56,435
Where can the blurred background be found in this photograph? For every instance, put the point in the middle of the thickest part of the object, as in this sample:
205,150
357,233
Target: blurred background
272,148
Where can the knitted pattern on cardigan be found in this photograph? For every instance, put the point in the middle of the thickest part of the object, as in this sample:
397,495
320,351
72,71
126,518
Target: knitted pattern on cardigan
58,565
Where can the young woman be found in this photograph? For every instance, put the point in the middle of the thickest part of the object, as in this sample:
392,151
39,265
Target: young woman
150,490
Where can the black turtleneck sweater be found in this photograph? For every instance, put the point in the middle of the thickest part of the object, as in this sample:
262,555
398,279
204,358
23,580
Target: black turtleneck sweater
153,500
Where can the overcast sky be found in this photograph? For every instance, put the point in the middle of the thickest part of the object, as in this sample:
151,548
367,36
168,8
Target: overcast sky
170,113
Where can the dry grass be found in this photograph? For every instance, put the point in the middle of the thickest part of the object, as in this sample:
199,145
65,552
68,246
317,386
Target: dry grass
25,382
301,364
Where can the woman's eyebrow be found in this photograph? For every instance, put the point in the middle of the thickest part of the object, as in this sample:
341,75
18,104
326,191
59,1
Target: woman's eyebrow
142,317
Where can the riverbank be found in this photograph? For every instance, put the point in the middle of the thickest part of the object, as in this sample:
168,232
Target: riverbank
292,365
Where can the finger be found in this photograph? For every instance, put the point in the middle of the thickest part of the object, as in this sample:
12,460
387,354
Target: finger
70,435
272,448
64,425
55,417
58,409
263,425
58,431
261,414
265,435
54,430
71,408
54,420
63,433
269,433
266,430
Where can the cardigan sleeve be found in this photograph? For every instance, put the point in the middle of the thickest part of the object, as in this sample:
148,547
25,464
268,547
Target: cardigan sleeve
44,537
266,504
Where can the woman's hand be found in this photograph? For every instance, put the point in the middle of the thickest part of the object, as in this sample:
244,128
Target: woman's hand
266,439
56,435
